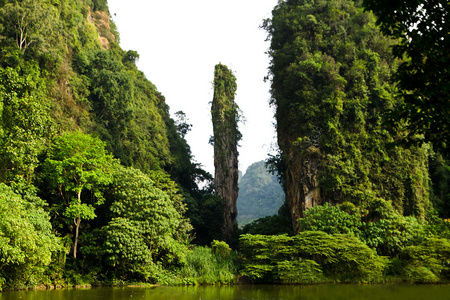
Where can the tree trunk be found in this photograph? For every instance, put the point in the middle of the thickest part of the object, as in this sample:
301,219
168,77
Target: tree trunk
77,222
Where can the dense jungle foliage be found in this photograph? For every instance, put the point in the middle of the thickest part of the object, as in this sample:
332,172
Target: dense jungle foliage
98,184
95,175
336,84
423,31
331,73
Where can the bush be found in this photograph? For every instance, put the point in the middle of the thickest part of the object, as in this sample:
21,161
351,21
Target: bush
343,257
390,236
299,272
220,248
27,243
419,274
203,266
271,225
331,219
339,257
427,262
438,227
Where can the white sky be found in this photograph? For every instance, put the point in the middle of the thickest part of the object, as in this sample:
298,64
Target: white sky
180,42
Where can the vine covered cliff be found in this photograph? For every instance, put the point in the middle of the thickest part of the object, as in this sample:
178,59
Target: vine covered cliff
331,72
225,117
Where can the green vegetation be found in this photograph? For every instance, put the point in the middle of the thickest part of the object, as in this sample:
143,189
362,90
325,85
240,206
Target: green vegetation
342,243
25,122
225,118
27,243
204,265
141,235
423,76
309,257
360,203
89,154
77,162
331,73
97,183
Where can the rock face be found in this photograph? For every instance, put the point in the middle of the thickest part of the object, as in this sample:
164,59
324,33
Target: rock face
225,116
302,184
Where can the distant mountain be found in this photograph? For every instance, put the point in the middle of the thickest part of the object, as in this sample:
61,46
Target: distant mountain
260,194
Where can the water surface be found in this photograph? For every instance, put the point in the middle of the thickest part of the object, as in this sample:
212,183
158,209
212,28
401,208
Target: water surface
247,292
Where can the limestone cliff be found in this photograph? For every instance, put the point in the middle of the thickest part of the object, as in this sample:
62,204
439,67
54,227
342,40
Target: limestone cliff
225,115
331,73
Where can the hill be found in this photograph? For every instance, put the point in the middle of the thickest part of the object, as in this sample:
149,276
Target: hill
90,158
260,194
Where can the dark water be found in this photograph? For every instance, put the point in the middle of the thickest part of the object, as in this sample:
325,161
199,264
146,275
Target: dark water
316,292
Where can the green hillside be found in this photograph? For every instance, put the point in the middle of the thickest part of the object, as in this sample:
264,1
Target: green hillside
85,139
260,194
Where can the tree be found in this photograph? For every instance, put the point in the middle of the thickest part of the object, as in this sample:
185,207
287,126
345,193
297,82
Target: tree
26,239
225,118
128,111
181,124
131,56
25,122
78,162
143,234
25,20
423,30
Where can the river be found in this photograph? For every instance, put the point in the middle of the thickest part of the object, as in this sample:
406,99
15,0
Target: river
247,292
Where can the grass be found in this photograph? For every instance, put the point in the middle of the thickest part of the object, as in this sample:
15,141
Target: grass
205,267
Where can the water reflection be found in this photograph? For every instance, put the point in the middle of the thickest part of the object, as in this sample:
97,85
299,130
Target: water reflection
243,292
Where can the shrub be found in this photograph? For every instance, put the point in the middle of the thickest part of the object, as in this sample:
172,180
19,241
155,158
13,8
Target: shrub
220,248
419,274
330,219
299,272
427,262
342,257
389,236
27,243
338,257
205,267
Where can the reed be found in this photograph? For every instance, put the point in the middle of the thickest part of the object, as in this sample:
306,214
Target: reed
205,267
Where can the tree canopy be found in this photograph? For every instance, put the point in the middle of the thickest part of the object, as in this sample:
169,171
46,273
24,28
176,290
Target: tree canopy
27,243
78,162
142,236
423,31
